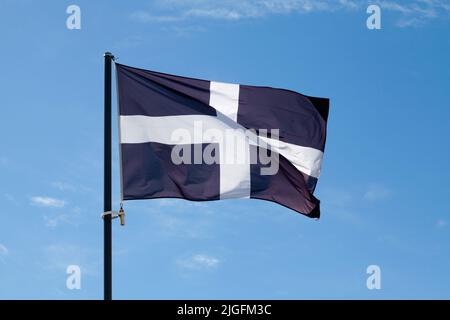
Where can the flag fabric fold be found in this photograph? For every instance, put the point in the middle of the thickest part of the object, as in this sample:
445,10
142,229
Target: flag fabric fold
204,140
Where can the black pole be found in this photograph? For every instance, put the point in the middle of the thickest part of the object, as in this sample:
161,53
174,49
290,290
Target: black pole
107,189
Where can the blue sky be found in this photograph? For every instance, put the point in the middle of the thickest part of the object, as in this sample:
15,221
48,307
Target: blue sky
384,185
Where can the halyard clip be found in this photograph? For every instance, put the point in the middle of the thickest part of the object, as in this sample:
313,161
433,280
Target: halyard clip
114,215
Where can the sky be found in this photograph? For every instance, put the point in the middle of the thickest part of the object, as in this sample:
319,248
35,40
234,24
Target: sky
384,187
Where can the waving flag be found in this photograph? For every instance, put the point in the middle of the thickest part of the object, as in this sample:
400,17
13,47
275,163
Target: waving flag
204,140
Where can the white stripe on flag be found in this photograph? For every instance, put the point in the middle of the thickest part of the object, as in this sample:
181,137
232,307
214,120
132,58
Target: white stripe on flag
234,177
306,159
142,129
234,174
224,97
234,161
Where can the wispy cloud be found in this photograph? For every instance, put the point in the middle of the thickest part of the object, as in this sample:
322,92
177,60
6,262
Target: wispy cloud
41,201
60,255
169,215
144,17
3,253
71,187
172,225
3,250
63,186
129,42
418,12
236,9
72,218
441,223
4,161
11,198
183,31
407,13
198,261
377,192
338,197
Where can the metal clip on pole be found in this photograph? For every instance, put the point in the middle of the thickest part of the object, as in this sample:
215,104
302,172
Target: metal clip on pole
114,215
122,215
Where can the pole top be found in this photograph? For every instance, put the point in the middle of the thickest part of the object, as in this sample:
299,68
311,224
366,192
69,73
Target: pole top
109,54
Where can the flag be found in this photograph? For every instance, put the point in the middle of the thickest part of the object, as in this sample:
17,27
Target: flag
205,140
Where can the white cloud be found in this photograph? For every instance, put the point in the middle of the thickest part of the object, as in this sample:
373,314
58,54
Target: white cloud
407,13
51,223
220,13
236,9
144,17
70,187
183,31
3,250
377,192
199,261
47,202
72,218
418,12
351,4
63,186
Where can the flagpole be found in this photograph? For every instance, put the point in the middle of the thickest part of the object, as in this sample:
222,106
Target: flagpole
107,188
